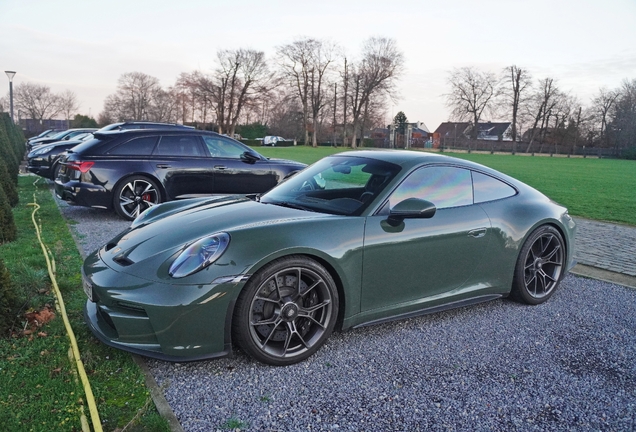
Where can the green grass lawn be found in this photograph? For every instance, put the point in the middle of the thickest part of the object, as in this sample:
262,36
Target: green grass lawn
38,391
602,189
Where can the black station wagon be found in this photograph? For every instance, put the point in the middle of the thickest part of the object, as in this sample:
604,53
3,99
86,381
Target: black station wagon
131,170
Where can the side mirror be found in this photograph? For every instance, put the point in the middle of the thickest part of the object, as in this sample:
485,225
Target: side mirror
249,157
411,208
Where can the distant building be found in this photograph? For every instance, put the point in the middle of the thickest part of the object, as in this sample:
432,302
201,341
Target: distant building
449,132
34,126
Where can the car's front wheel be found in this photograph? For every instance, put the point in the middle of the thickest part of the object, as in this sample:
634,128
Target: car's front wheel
134,195
539,266
286,312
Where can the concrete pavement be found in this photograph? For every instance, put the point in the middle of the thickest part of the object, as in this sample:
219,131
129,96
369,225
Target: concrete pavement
605,251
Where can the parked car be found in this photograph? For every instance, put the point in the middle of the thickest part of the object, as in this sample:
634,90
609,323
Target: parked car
43,160
61,136
357,238
44,134
143,125
271,140
131,170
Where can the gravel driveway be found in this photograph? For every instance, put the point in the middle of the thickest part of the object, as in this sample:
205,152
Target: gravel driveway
564,365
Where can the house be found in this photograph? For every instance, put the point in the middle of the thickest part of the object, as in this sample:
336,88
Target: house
491,131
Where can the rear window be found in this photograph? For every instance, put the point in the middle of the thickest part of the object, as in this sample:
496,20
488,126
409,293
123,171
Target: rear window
89,145
142,146
490,189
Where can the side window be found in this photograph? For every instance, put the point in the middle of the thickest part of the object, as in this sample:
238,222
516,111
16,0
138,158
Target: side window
219,147
489,189
142,146
175,145
443,186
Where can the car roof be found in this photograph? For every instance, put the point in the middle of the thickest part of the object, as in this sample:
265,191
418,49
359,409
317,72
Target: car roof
150,131
150,125
411,158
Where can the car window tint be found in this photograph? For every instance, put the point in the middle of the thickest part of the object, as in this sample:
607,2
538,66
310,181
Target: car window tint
175,145
219,147
489,189
443,186
136,146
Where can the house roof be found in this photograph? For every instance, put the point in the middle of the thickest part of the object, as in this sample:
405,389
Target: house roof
449,129
493,129
485,129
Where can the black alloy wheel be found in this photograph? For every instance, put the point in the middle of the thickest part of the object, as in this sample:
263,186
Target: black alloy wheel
134,195
286,311
539,266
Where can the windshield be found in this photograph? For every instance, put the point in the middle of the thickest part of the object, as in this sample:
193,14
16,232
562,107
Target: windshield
57,135
342,185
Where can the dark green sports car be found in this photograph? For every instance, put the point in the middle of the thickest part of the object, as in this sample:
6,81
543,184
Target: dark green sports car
357,238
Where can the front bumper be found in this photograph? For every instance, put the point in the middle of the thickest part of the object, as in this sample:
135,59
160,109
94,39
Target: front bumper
167,322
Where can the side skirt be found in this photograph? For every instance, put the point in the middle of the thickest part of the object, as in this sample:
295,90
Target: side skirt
433,309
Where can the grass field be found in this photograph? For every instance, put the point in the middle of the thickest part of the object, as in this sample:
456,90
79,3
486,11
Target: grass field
38,389
601,189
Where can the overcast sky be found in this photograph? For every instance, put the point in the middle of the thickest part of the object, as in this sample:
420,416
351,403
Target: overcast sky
84,46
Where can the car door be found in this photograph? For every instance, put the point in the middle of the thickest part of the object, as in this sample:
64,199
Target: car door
424,259
182,166
233,173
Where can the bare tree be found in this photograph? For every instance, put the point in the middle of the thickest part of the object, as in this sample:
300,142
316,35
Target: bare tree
295,60
518,82
240,77
37,100
321,62
602,104
67,103
623,117
133,98
472,93
381,65
545,100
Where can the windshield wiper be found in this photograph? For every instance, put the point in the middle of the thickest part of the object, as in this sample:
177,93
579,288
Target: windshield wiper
291,205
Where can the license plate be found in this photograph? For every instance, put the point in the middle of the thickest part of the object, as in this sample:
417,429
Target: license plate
88,289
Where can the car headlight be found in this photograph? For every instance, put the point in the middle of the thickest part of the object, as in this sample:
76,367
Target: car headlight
199,255
39,151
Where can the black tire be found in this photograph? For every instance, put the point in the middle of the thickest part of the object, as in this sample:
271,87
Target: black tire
135,194
56,171
540,266
286,311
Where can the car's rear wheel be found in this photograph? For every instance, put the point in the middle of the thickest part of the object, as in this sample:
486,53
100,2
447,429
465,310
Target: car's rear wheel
286,312
540,266
134,195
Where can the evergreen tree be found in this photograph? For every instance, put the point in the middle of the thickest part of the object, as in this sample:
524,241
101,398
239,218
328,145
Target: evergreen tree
8,231
8,299
7,185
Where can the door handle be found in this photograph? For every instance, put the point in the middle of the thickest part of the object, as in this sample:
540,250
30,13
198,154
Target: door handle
163,166
477,233
220,167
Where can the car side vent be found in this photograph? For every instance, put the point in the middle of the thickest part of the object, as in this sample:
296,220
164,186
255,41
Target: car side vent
123,261
109,246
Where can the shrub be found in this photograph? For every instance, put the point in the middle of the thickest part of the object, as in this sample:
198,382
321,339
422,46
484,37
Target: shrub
15,136
7,154
629,153
8,299
8,231
7,184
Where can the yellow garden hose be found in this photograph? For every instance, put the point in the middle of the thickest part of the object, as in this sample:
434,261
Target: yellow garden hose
50,263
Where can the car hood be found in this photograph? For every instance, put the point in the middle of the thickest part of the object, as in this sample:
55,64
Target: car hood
166,231
287,162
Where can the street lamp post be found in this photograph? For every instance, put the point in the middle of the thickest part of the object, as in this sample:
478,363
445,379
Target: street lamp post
11,74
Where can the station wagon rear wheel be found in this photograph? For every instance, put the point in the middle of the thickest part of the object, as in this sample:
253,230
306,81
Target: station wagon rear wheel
286,312
539,266
134,195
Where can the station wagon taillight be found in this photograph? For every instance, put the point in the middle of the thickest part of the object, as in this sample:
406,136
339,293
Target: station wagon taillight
82,167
